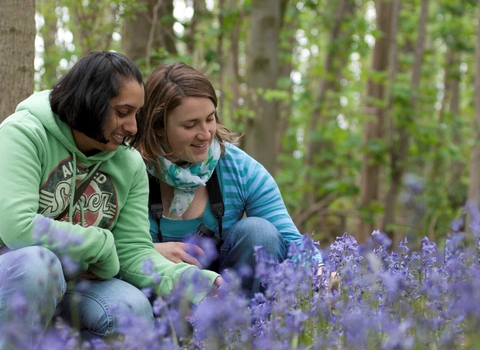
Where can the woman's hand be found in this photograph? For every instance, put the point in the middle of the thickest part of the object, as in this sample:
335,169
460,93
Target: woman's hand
180,252
218,281
333,282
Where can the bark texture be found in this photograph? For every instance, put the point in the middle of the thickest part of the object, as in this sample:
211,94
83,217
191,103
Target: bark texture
17,51
262,72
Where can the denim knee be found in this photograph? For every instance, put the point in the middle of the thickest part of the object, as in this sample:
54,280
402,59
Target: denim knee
45,267
102,308
238,251
34,271
31,286
251,232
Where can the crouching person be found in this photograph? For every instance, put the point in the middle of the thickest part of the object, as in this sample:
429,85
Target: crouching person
73,213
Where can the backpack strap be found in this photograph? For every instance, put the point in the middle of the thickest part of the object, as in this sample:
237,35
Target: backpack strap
155,202
214,193
216,200
155,197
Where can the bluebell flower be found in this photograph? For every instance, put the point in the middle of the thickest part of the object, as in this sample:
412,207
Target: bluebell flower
60,241
344,248
457,224
381,238
41,225
399,338
62,336
207,244
222,320
388,299
147,266
403,245
70,267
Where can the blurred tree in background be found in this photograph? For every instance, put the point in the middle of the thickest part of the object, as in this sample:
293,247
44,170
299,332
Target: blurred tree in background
364,111
17,50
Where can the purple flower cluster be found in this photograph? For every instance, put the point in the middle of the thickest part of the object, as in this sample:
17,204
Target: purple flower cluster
384,297
59,241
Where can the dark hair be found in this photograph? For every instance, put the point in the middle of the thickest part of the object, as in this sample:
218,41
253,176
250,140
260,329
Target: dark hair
165,90
81,97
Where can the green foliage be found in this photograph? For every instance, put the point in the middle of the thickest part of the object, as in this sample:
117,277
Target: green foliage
272,95
322,142
378,151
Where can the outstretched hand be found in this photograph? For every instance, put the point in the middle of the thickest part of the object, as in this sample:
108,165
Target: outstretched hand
328,279
180,252
218,282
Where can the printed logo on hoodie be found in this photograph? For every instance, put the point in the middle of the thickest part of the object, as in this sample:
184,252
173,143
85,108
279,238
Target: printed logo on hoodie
98,202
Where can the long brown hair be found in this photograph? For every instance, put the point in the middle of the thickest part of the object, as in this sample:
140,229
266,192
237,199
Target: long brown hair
165,90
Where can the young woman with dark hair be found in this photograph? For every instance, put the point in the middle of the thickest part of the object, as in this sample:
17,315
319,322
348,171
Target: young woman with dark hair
54,143
78,99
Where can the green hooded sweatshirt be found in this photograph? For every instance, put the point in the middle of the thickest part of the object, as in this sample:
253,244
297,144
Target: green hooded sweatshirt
40,164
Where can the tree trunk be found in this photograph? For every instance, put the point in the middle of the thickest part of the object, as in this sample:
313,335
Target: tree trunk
262,73
457,166
191,31
49,33
374,128
328,83
473,199
398,151
441,164
93,24
288,27
221,59
17,51
233,66
149,28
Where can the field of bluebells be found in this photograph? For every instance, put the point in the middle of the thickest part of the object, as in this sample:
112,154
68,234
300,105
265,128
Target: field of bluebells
385,298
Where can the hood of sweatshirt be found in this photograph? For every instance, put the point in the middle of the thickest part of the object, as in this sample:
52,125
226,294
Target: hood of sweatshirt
38,105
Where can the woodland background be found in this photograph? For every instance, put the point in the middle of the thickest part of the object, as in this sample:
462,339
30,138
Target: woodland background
367,113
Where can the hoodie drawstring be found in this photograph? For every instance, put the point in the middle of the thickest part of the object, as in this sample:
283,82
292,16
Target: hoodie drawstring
74,187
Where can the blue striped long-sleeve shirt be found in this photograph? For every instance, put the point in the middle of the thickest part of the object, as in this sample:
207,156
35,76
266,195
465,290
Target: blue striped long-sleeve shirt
247,189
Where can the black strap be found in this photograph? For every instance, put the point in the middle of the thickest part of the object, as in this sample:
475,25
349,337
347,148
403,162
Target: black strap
155,197
216,200
214,193
155,202
78,193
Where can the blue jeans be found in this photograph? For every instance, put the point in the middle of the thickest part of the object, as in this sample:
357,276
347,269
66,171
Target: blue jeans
33,291
238,251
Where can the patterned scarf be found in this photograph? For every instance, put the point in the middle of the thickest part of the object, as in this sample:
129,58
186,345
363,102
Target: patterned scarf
185,179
